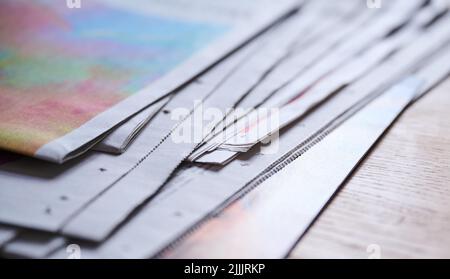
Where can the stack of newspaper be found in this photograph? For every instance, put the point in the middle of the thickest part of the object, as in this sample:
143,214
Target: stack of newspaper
196,128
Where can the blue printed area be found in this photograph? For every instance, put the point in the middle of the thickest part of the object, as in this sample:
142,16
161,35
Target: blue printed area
146,46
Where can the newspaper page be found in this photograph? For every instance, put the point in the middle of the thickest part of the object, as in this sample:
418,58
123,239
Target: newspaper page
71,73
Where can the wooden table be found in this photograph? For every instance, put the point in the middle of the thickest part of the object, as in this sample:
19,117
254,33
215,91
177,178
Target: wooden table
397,203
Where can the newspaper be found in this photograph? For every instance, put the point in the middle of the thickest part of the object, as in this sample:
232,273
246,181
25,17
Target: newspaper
144,196
86,72
283,206
198,193
171,153
160,165
287,68
256,126
277,220
321,73
431,74
50,194
118,140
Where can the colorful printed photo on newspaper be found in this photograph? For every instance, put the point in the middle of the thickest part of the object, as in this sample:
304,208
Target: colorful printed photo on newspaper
72,70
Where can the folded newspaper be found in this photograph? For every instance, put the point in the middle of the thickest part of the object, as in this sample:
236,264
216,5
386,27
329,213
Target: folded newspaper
69,75
197,123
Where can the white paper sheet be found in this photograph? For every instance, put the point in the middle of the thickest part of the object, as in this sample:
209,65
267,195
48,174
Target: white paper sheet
118,140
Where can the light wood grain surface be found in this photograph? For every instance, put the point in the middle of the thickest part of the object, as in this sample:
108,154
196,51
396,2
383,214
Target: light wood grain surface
397,203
